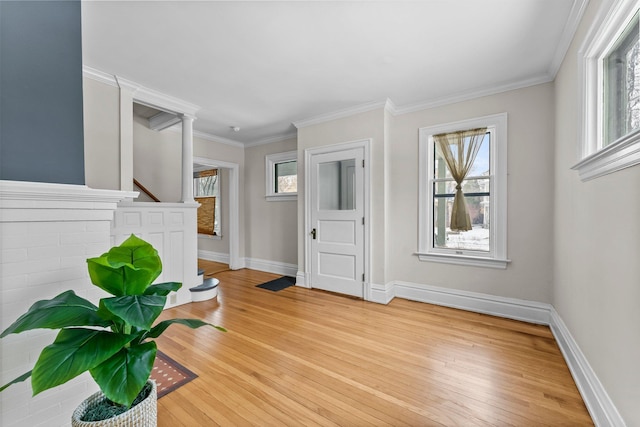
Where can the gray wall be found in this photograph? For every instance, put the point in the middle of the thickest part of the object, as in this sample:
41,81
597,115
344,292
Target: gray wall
41,137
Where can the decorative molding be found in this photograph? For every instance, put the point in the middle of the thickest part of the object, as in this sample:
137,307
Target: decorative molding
23,201
465,260
598,402
511,308
141,94
621,154
234,236
213,256
575,16
277,138
99,76
208,136
275,267
163,120
301,280
468,96
339,114
381,294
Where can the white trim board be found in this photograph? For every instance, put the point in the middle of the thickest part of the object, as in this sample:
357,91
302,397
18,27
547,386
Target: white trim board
601,408
268,266
213,256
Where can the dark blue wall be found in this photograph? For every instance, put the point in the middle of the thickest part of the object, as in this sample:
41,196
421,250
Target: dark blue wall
41,132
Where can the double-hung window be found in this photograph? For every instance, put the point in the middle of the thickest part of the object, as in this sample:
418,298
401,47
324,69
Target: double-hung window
463,192
206,191
610,80
281,176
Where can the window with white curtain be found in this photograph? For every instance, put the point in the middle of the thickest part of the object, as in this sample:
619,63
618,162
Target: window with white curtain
482,240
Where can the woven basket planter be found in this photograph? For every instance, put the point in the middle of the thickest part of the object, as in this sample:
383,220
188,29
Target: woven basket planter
144,414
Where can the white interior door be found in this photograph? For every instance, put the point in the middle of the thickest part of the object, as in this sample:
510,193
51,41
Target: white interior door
337,221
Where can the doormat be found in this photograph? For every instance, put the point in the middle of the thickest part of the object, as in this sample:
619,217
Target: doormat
169,374
278,284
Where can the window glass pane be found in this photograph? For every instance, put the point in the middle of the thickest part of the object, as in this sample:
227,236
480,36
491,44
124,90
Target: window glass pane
476,239
479,185
481,164
622,85
336,185
205,186
286,175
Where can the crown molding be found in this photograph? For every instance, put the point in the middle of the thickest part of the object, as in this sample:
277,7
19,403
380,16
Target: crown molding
99,76
575,16
339,114
277,138
142,94
493,90
208,137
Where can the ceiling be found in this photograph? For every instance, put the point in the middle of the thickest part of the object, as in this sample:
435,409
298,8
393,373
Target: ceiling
262,66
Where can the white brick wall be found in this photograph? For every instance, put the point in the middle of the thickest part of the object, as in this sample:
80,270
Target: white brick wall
47,231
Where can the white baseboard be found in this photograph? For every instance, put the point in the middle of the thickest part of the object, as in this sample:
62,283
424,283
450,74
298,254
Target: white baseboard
213,256
301,280
511,308
271,266
382,294
601,408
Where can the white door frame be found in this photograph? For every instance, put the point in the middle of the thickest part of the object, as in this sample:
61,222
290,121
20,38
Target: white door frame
234,207
308,153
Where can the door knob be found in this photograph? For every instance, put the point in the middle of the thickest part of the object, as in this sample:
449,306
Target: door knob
313,234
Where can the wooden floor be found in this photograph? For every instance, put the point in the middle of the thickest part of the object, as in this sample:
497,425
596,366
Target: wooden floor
211,268
303,357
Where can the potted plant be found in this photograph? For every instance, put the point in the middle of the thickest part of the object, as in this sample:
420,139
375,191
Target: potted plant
113,341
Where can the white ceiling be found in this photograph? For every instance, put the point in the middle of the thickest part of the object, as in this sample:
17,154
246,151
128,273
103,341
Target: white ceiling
263,65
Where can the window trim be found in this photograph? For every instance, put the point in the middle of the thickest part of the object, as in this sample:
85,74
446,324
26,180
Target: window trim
497,257
270,175
595,159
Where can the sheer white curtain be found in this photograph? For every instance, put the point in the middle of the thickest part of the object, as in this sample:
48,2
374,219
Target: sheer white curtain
459,150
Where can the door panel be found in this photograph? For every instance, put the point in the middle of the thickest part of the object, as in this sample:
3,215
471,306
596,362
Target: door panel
337,211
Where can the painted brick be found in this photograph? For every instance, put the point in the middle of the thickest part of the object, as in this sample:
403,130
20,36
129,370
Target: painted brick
13,255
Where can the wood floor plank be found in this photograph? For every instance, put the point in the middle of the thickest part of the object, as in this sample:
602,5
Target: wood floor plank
306,357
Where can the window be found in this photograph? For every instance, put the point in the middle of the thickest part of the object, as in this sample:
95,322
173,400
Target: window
610,67
480,238
281,176
206,191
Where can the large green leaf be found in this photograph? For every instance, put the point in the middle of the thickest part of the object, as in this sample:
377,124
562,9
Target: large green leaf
137,310
64,310
122,376
157,330
73,352
163,288
17,380
127,269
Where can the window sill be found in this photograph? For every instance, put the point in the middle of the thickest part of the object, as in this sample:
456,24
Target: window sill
472,261
282,197
209,236
621,154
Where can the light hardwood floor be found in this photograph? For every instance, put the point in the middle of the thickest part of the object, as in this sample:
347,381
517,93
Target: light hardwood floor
303,357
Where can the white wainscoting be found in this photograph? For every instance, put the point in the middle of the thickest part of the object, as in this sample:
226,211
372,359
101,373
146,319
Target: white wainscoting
47,231
171,229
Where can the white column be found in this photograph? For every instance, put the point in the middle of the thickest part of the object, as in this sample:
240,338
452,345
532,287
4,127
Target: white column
187,158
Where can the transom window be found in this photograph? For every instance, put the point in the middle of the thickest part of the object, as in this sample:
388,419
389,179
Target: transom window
463,192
